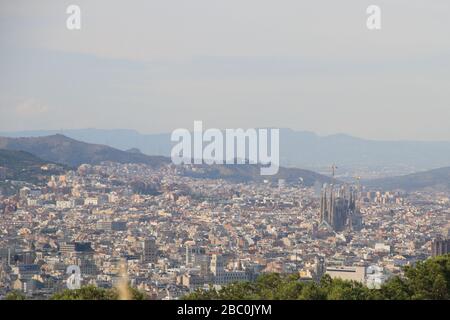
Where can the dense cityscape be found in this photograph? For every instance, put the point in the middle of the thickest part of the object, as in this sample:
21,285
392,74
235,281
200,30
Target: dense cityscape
175,233
224,158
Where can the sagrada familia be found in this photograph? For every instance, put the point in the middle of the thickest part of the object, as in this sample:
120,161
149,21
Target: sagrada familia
339,210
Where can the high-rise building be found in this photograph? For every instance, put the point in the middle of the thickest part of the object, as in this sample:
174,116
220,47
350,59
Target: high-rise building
440,247
319,267
149,251
112,225
194,254
82,254
75,248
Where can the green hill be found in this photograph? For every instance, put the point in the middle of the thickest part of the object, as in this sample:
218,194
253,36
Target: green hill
18,159
251,172
61,149
24,166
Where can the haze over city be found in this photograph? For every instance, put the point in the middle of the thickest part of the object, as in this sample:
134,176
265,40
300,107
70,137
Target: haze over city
155,66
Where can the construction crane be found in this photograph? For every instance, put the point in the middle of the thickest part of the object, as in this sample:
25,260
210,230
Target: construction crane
333,170
358,182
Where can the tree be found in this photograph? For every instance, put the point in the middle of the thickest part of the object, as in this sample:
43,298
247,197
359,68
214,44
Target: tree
15,295
312,291
348,290
429,279
86,293
93,293
394,289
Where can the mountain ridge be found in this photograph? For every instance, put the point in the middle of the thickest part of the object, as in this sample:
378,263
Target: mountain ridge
61,149
24,166
436,178
303,149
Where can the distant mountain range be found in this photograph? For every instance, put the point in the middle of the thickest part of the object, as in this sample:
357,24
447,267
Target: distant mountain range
61,149
23,158
297,148
437,179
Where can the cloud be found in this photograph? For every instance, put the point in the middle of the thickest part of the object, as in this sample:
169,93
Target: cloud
308,65
31,108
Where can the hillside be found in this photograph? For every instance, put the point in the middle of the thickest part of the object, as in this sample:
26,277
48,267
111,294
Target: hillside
23,166
248,172
436,179
61,149
297,148
18,159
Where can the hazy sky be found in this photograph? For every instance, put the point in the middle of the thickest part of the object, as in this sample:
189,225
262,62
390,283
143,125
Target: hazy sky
155,66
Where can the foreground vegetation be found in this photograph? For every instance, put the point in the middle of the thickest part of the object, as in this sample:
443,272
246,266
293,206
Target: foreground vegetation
428,279
85,293
94,293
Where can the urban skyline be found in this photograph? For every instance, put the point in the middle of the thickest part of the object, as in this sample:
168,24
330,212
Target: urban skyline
234,150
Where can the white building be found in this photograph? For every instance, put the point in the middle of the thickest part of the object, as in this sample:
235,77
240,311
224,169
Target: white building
65,204
347,273
375,277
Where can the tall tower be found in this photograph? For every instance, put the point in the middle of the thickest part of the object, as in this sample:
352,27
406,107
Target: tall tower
149,251
319,267
217,265
338,209
331,212
440,246
323,205
188,254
